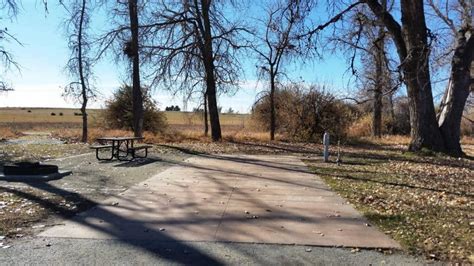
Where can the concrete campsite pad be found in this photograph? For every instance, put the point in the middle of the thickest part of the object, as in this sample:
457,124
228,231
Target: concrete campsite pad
229,198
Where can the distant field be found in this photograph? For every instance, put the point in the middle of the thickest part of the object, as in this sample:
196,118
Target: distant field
41,117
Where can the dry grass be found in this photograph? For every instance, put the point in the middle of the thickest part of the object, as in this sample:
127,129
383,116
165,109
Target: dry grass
423,202
39,152
386,140
468,140
361,127
174,134
42,116
73,135
8,133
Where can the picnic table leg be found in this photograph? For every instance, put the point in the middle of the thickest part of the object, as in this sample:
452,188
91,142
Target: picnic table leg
140,157
114,150
132,150
104,159
124,158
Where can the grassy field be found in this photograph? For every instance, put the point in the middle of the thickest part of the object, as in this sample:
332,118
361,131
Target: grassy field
66,124
35,116
43,115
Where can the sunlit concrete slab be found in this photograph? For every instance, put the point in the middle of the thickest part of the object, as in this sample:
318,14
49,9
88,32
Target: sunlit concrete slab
256,199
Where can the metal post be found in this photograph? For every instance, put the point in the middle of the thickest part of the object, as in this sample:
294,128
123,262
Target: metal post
326,146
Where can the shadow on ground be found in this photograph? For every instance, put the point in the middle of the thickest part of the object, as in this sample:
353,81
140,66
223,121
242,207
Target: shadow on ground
117,222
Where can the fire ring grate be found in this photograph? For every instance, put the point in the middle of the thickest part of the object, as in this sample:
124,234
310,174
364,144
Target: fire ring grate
27,168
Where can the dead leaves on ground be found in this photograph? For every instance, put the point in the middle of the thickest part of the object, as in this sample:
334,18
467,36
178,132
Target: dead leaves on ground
19,213
426,203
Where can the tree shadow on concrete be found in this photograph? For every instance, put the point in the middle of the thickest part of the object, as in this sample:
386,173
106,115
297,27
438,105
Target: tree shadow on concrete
151,239
138,162
240,159
115,221
254,162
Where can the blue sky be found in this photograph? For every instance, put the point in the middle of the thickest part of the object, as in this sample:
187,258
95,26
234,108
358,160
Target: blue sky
44,54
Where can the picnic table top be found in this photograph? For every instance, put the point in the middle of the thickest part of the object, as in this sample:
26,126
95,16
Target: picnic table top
119,138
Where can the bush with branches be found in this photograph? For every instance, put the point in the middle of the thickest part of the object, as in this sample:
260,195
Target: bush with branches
118,112
305,113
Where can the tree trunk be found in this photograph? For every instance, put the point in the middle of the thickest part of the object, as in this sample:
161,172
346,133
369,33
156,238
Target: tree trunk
210,75
213,110
412,47
379,82
81,75
206,123
392,112
377,112
456,94
137,95
272,105
424,127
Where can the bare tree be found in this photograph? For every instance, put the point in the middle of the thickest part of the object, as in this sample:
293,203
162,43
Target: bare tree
125,38
205,115
365,40
191,42
279,41
79,65
413,44
132,50
457,17
413,48
10,8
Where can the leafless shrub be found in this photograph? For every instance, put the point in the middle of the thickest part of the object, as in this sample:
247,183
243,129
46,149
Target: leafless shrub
305,113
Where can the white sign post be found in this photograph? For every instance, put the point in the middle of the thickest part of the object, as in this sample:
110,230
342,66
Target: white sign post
326,146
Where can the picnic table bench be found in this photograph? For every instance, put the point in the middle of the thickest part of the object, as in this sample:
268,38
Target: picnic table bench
121,148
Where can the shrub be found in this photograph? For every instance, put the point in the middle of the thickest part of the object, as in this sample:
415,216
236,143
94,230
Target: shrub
29,111
362,127
305,113
61,114
401,121
53,114
118,111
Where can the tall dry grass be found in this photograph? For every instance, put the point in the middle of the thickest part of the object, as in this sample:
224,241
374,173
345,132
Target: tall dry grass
387,140
72,135
8,133
173,134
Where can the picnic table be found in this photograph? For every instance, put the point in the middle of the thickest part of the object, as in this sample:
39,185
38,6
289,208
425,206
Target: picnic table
121,148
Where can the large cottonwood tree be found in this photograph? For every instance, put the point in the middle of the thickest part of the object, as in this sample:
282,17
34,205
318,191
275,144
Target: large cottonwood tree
457,18
411,39
413,48
413,42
